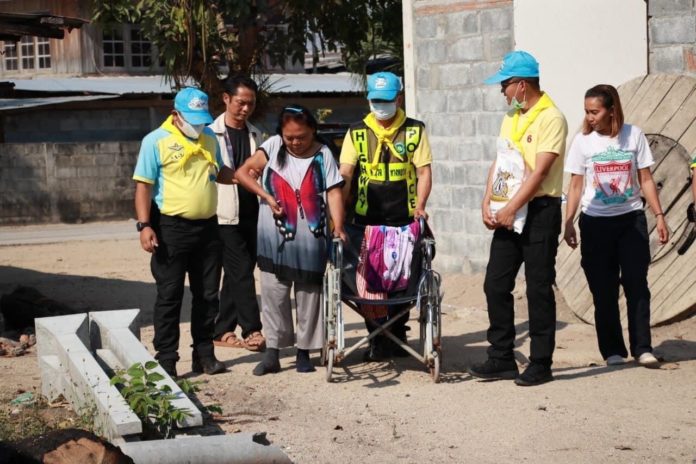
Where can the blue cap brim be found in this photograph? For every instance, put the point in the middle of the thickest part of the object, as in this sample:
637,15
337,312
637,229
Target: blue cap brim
500,77
497,78
196,117
387,95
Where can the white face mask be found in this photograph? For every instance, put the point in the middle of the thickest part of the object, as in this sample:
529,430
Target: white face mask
383,110
192,131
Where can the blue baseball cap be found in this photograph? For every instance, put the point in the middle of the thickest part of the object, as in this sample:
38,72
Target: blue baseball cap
192,104
383,86
515,64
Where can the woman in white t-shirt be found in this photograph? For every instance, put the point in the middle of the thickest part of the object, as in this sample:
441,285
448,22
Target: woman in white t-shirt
300,187
609,163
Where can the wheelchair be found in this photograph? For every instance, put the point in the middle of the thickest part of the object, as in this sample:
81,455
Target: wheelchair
426,296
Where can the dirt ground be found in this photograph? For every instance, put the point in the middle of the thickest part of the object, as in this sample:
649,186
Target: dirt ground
392,412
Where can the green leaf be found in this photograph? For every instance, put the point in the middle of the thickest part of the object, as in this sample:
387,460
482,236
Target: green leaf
154,377
216,408
136,370
151,365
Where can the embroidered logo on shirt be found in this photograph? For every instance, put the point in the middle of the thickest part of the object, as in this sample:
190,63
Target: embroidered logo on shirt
529,138
176,147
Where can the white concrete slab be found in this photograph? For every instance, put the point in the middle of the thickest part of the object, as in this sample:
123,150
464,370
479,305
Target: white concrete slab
68,368
116,331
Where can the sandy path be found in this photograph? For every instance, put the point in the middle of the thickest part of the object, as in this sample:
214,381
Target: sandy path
392,412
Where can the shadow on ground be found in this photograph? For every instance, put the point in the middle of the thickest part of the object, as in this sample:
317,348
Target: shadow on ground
459,351
85,293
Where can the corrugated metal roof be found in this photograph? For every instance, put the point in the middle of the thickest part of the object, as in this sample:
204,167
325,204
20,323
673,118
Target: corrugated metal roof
117,85
280,84
315,83
14,26
19,103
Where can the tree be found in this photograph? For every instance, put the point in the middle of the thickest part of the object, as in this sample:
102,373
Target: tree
197,39
363,29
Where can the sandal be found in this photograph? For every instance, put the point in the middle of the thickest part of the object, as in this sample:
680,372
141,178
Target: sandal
255,342
230,340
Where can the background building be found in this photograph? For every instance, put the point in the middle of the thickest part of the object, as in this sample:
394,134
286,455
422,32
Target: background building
452,45
74,107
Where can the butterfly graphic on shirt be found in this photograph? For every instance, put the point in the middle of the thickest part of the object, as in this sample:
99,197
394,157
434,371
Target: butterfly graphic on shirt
307,201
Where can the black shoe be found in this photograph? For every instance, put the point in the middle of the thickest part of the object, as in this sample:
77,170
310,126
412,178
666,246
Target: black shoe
534,374
397,350
207,364
303,363
270,363
169,366
494,369
379,350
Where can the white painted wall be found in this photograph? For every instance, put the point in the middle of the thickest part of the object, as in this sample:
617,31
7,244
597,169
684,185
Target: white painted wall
409,58
581,43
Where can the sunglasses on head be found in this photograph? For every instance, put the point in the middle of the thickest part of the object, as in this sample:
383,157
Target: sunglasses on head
293,109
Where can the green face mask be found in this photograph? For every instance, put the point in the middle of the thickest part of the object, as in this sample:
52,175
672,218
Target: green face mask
517,105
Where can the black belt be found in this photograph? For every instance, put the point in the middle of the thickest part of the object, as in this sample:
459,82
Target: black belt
545,201
194,222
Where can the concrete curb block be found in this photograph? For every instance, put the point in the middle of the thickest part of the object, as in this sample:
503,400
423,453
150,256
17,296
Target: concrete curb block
118,332
68,368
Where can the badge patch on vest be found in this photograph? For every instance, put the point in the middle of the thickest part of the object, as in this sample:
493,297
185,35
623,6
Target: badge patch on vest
400,148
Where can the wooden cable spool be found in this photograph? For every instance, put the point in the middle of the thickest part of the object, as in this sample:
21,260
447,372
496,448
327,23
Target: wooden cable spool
664,107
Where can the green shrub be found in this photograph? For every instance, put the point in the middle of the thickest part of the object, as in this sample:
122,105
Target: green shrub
152,403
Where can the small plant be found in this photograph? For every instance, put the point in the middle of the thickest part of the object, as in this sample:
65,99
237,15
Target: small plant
191,388
152,403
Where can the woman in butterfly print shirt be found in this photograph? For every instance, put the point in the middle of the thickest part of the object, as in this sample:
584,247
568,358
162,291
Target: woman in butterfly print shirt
300,177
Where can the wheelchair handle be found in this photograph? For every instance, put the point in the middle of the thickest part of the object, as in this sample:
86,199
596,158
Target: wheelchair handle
337,245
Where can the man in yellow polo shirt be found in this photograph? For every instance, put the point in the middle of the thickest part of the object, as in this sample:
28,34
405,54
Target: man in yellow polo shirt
536,129
175,202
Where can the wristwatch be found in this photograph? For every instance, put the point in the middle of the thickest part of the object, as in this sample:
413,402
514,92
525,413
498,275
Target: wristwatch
141,225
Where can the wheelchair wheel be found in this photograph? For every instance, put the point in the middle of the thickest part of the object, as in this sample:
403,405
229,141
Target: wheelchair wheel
434,304
330,356
326,320
323,358
435,367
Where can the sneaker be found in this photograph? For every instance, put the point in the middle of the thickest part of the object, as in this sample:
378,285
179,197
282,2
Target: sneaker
494,369
534,374
169,366
615,360
209,364
647,359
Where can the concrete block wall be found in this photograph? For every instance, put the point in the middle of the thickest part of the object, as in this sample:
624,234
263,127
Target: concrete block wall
86,125
457,44
66,182
672,36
